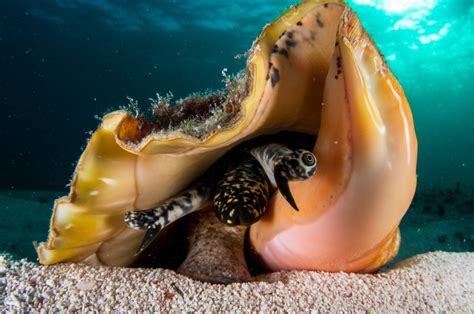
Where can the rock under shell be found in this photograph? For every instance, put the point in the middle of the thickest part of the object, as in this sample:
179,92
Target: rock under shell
316,53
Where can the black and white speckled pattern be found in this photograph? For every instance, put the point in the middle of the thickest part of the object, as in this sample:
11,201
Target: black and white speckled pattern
268,156
239,186
179,205
282,164
242,193
155,219
297,164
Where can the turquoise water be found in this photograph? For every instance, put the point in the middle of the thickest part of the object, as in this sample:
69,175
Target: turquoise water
62,62
429,48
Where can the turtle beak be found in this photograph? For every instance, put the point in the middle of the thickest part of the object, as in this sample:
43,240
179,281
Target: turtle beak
282,184
150,235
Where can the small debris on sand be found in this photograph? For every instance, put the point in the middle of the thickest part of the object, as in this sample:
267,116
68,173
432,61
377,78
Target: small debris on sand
432,282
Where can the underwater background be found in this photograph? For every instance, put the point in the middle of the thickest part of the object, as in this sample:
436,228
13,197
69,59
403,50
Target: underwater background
63,63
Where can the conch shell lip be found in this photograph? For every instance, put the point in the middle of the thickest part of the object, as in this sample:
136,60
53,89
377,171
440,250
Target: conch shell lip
298,81
376,149
258,84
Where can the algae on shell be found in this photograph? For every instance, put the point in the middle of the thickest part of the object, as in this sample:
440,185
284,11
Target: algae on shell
290,69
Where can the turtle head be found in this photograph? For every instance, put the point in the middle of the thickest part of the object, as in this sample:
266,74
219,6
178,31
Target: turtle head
296,166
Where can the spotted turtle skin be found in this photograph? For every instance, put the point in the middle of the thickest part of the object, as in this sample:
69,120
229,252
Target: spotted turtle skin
242,193
282,164
239,186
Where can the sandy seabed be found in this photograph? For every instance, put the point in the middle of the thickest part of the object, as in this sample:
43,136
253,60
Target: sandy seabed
432,282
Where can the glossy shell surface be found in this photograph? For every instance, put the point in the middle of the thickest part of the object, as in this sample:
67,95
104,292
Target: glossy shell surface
313,70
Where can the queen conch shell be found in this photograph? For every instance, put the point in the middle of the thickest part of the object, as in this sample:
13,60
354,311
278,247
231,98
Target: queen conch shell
314,70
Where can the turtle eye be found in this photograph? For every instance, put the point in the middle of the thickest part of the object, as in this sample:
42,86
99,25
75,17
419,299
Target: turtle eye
309,159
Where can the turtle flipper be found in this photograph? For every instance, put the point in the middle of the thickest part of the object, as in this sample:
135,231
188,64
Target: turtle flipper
155,219
146,219
282,183
150,235
151,220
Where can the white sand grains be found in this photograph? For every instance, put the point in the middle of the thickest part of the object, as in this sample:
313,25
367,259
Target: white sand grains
437,281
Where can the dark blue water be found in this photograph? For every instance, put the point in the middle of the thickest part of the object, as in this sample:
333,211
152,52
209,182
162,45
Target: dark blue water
62,62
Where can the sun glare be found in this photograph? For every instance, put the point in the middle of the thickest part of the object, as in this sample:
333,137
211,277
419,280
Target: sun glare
398,6
413,15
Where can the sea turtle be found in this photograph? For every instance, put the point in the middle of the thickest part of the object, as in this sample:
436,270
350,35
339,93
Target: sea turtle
314,70
239,185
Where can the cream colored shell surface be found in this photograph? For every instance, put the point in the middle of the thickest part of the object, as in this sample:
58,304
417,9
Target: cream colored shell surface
363,110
